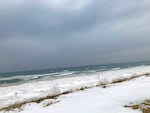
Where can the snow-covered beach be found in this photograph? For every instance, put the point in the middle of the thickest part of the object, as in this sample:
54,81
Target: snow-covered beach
74,56
36,97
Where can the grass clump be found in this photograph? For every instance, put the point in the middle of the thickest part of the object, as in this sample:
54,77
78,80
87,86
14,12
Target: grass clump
144,106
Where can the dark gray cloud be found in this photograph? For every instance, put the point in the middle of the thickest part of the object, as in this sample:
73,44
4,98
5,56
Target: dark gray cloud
58,33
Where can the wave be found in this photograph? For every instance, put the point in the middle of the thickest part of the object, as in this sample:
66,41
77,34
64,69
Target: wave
34,77
116,68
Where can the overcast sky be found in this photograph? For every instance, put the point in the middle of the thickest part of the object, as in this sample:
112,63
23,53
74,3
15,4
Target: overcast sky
39,34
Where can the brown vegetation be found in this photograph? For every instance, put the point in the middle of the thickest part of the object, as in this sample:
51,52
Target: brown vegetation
128,79
144,107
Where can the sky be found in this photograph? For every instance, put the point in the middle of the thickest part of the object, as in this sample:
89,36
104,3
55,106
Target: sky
41,34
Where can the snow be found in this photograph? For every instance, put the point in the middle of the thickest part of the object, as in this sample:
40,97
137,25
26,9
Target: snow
94,100
98,100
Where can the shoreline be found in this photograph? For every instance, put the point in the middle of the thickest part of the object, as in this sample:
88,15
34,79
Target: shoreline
27,93
54,97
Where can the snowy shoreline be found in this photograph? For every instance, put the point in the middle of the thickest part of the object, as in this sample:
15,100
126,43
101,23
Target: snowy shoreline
30,92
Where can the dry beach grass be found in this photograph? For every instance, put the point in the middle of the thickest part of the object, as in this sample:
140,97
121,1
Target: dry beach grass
143,106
